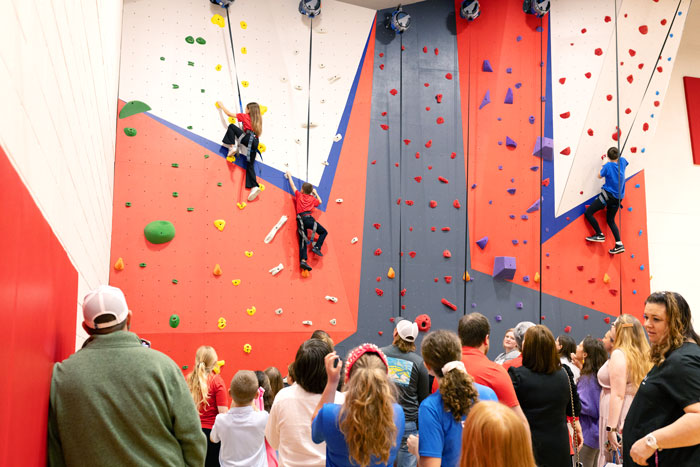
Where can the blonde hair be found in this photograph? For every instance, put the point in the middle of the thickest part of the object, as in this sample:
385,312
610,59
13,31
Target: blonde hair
253,110
679,323
197,381
630,338
493,436
367,416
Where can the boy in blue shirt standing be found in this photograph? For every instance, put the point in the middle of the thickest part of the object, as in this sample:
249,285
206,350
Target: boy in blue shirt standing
611,195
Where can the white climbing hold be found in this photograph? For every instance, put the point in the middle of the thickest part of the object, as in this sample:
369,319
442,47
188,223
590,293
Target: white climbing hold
325,163
333,78
298,141
298,87
310,125
322,101
321,30
337,137
339,200
307,323
322,65
274,230
278,311
283,79
274,271
354,240
331,299
296,52
333,321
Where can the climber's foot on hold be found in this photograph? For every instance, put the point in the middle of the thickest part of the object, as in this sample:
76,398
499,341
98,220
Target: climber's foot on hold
316,250
254,193
304,265
618,248
599,238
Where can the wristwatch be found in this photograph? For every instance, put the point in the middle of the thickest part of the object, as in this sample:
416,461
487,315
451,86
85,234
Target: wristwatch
651,442
609,428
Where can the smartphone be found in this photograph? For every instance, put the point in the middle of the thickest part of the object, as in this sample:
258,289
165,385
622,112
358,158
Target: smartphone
336,362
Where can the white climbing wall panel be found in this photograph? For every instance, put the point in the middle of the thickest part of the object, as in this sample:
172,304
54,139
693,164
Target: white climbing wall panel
271,43
584,87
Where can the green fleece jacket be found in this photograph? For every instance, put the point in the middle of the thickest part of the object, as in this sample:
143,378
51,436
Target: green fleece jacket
115,402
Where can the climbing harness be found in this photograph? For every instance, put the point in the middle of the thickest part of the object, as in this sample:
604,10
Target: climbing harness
302,229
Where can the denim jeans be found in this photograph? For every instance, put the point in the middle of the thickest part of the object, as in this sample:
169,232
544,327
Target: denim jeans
404,458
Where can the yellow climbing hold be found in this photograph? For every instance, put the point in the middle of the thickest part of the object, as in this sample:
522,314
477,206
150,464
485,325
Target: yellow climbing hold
261,186
119,265
216,104
236,282
218,365
537,278
466,277
250,311
218,20
231,159
244,50
249,254
232,120
262,147
217,270
218,67
241,205
244,25
304,273
222,323
391,274
263,109
245,84
606,278
247,348
220,224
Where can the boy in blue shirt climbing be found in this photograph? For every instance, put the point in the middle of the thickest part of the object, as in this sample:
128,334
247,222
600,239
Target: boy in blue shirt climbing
611,195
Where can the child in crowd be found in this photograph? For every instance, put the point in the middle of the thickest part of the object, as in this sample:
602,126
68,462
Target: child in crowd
241,431
245,142
305,201
276,383
441,414
610,197
366,430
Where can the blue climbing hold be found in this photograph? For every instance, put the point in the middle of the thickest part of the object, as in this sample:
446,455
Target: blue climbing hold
486,66
510,143
509,96
486,99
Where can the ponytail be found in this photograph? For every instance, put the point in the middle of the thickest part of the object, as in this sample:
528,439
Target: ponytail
198,380
458,393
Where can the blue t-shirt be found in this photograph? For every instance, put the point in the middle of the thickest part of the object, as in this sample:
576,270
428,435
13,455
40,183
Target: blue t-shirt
439,434
325,428
612,177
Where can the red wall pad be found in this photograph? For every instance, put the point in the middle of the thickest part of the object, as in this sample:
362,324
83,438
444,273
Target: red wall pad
38,299
692,100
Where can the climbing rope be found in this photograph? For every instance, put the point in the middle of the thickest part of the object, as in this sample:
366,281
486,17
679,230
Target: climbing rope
233,54
308,104
401,168
541,122
619,151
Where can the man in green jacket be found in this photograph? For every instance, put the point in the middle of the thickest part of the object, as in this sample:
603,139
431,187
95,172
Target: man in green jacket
117,402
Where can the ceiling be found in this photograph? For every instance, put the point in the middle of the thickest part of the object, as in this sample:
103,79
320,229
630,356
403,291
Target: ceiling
380,4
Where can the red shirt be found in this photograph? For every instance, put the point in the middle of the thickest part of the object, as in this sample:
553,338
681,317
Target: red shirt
245,120
305,202
517,362
217,397
490,374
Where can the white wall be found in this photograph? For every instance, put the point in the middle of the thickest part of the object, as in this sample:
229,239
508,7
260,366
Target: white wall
673,184
59,69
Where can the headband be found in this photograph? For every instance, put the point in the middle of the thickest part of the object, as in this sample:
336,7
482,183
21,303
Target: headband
360,351
456,365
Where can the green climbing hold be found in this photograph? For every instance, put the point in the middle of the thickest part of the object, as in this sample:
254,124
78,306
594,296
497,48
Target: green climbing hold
184,367
158,232
202,91
175,165
190,63
206,156
174,281
190,209
189,127
200,40
219,184
132,108
189,39
142,265
130,131
175,194
162,59
127,204
175,86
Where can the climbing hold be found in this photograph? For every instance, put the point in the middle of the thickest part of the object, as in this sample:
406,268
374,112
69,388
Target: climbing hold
606,278
174,321
412,254
377,226
278,311
274,271
174,281
537,278
217,67
565,115
244,25
438,98
519,305
241,205
448,76
418,178
249,254
384,127
175,194
217,270
142,265
393,92
429,143
440,120
377,252
158,232
337,137
544,148
262,147
531,119
304,273
222,323
545,182
189,39
132,108
466,277
119,265
423,322
236,282
433,203
456,204
515,242
579,267
379,292
511,191
245,84
504,267
586,316
482,242
175,165
498,318
189,63
128,131
511,143
391,274
607,319
331,299
486,66
403,292
566,151
127,204
354,240
486,99
443,180
535,206
448,304
409,202
447,254
333,322
251,311
567,329
247,348
271,235
448,279
509,97
218,20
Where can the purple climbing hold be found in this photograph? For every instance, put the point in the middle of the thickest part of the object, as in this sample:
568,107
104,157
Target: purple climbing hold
531,119
509,70
538,29
512,180
510,143
490,202
515,242
512,216
473,305
526,278
534,207
535,168
500,167
518,85
511,191
482,242
544,148
519,305
524,217
509,96
486,99
500,143
499,119
503,267
544,99
473,186
486,66
519,38
524,242
498,318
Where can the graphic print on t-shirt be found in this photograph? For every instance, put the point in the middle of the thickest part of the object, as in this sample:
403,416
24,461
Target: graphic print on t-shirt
400,370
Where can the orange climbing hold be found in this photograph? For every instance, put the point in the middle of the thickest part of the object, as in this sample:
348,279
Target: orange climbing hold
606,278
466,277
119,265
217,270
537,278
391,274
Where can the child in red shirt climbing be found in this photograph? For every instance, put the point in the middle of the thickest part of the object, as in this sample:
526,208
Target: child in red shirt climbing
305,201
245,142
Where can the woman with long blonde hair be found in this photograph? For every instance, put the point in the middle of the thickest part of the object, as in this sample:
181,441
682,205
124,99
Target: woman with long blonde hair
493,436
210,397
620,377
366,429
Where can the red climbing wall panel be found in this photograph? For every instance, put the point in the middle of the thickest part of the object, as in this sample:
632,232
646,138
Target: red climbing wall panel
38,298
144,176
692,100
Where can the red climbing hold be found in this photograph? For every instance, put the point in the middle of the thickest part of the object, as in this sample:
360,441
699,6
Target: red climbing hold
412,254
633,149
381,54
436,51
640,66
598,51
383,114
440,120
567,329
398,201
613,292
628,111
607,319
417,155
433,203
377,252
425,49
384,127
608,19
447,254
426,85
379,279
403,47
380,292
393,92
418,178
430,167
427,109
445,229
448,304
643,29
396,164
381,333
616,135
443,180
566,151
562,80
410,229
588,75
407,142
448,76
586,316
429,143
565,115
456,204
448,279
409,202
590,132
453,155
609,97
377,226
545,182
381,66
438,98
630,78
659,69
657,103
374,161
580,268
432,229
632,52
645,127
663,22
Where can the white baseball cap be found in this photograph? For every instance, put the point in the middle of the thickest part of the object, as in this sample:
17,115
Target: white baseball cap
104,300
407,330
